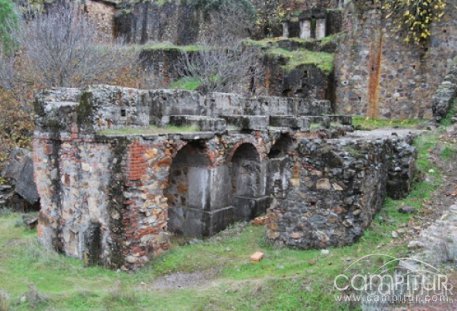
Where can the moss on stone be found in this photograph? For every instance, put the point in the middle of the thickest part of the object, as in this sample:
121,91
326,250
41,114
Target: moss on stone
186,83
295,59
167,46
302,56
84,110
364,123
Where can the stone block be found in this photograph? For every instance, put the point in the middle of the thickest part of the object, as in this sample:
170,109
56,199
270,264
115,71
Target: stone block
256,123
202,123
247,208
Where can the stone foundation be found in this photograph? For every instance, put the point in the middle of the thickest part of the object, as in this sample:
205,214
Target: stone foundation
337,186
115,180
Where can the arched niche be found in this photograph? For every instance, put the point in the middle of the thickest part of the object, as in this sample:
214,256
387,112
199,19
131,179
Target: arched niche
279,162
248,176
188,191
246,171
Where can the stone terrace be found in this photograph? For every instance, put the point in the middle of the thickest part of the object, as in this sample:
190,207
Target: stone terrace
119,169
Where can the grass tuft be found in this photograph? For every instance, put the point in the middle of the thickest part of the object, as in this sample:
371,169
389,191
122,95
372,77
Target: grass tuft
186,83
365,123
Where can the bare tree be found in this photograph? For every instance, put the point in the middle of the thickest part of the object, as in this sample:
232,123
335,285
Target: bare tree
62,50
7,72
228,66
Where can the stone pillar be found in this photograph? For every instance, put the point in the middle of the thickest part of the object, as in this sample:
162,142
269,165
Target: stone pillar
340,4
285,30
320,28
305,29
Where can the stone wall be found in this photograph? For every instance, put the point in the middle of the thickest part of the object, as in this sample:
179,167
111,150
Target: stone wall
446,94
337,186
114,183
101,13
113,198
378,75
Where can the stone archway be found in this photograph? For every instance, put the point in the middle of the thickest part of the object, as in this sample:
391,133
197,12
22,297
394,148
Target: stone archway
248,183
188,191
279,161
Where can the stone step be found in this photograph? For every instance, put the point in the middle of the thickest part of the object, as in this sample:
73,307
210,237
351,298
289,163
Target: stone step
341,119
4,188
243,122
293,122
203,123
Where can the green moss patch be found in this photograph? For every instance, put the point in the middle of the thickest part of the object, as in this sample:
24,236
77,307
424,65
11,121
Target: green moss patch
186,83
150,130
364,123
295,59
167,46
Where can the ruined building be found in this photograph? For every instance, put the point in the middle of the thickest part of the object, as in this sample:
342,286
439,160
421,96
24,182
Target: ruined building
118,170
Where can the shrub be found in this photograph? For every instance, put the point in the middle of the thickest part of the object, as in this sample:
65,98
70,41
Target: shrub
8,20
414,18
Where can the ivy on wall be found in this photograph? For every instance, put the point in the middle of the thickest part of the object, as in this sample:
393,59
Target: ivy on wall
414,18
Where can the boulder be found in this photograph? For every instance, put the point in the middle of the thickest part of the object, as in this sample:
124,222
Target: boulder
19,172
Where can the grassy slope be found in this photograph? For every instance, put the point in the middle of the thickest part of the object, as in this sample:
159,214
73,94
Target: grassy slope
286,279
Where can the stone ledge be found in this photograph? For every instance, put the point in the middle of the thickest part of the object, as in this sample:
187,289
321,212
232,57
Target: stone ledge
256,123
203,123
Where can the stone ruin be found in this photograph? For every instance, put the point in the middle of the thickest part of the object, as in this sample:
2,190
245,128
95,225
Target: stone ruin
118,170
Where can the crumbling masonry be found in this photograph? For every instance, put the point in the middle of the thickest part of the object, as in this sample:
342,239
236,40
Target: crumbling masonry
119,169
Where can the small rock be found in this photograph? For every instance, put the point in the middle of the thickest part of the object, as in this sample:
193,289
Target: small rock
394,234
407,210
415,245
5,188
312,262
295,235
357,212
323,184
131,259
259,221
325,252
257,256
30,221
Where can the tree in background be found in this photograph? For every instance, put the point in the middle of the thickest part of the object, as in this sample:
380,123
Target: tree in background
227,66
269,17
8,21
56,47
414,18
62,49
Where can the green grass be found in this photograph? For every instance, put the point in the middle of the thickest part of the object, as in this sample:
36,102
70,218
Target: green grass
287,279
295,59
186,83
447,121
366,123
299,57
170,46
150,130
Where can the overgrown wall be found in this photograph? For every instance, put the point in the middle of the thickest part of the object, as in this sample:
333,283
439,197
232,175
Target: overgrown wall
378,75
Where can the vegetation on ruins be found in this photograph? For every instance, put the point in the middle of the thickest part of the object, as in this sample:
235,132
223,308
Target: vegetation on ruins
269,15
59,48
415,18
221,67
287,279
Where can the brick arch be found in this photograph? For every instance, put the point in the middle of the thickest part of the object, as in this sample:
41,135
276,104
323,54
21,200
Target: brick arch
235,148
